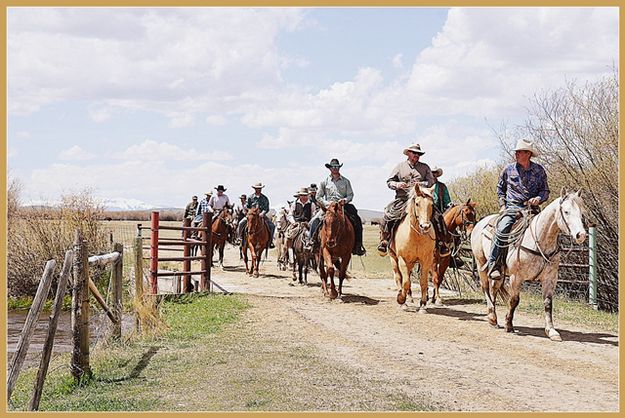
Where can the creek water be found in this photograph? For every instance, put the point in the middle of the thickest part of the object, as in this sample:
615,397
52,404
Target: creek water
62,339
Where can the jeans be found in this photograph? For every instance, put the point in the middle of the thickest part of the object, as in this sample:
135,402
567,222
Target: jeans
503,227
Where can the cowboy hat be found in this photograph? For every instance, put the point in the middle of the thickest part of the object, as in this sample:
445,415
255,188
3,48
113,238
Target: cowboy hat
243,196
525,145
303,191
414,148
312,188
437,171
258,185
209,193
334,163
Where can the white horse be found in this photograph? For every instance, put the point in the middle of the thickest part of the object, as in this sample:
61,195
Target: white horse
282,223
536,256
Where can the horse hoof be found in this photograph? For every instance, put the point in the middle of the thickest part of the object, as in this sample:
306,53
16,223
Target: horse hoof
554,335
509,328
422,310
439,302
403,307
256,274
333,294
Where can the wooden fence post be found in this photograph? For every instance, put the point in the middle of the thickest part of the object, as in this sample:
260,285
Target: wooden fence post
52,325
29,326
80,310
205,262
186,264
117,271
154,253
138,247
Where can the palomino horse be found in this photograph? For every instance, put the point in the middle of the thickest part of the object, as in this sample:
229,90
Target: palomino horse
220,230
414,243
536,256
459,221
337,240
282,224
257,240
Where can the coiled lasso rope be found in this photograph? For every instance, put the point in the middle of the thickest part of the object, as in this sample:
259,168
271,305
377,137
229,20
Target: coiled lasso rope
506,240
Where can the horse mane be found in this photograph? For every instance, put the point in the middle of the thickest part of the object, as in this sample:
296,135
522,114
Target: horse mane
412,195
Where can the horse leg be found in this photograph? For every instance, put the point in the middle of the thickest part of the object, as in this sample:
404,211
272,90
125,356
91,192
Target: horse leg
256,261
323,276
439,270
401,299
243,251
405,284
426,266
515,290
342,274
548,285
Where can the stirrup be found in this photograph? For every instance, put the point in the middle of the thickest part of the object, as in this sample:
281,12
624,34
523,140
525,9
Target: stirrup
383,248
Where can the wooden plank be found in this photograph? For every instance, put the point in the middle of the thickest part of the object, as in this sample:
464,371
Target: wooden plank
52,325
29,326
104,259
98,297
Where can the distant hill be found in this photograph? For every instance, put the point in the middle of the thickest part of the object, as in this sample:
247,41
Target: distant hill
367,215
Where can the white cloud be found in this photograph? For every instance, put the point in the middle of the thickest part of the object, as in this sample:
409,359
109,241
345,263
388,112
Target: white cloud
150,150
99,114
216,120
75,153
153,58
398,61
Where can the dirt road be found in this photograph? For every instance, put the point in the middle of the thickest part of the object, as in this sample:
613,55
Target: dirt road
367,354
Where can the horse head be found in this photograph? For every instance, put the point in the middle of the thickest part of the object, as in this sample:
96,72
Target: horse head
569,217
334,223
422,206
468,216
253,219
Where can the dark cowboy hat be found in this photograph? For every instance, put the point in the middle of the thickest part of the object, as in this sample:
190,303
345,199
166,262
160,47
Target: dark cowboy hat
194,198
220,188
334,163
312,188
243,196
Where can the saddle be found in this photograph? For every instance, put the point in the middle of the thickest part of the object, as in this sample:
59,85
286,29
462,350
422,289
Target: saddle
489,229
294,230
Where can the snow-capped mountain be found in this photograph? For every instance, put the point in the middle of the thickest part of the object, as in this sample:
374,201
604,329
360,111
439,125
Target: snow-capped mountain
120,203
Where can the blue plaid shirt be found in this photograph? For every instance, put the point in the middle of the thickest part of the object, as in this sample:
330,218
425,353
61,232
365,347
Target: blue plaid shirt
517,185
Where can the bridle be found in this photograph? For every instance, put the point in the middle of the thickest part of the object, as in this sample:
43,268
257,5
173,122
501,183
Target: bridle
340,227
414,212
465,222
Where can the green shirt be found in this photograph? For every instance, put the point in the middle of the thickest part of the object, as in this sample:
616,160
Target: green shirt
441,196
261,202
334,190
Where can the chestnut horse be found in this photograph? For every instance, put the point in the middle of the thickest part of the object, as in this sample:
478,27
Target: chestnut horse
220,229
337,240
414,242
257,240
459,221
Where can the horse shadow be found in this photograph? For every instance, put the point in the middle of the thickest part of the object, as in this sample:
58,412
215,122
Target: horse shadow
236,269
453,313
364,300
582,337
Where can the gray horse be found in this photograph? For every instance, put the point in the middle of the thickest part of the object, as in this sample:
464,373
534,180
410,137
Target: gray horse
536,256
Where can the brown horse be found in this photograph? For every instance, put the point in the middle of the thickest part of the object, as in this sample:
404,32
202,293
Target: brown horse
459,221
337,240
220,230
414,242
257,240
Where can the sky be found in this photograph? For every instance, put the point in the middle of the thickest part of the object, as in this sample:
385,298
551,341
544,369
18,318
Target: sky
146,107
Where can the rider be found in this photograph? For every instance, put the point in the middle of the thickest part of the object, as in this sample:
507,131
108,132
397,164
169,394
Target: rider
442,201
521,183
258,200
202,208
404,176
336,188
191,208
240,208
301,211
219,200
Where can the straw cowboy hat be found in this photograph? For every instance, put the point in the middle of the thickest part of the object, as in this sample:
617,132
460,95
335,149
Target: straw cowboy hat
414,148
334,163
209,193
525,145
437,171
258,185
303,191
220,188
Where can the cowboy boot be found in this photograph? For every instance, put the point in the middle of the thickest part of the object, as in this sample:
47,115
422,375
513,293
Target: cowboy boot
385,236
